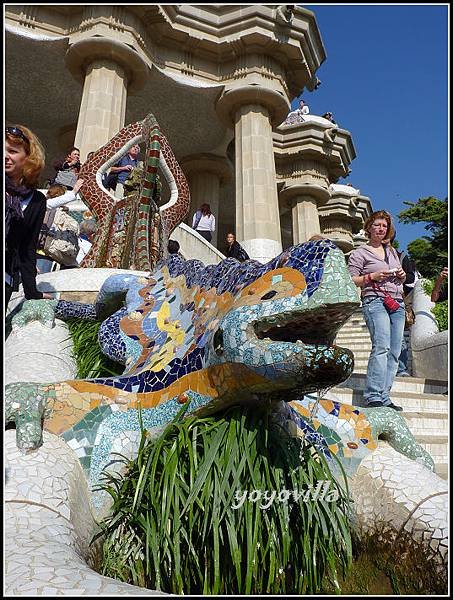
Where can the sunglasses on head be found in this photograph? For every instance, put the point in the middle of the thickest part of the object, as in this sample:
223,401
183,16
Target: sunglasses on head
17,133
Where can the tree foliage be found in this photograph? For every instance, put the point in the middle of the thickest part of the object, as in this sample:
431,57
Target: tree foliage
430,251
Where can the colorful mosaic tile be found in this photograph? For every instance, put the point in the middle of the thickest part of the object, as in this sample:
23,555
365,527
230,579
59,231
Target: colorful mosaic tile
211,337
132,232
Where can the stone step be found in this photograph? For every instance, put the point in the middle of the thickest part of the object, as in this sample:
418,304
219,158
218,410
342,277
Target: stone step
401,384
428,424
354,326
359,353
425,409
414,403
353,342
353,335
438,441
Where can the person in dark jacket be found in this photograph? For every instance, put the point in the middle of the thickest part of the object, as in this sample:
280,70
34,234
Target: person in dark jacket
25,208
234,248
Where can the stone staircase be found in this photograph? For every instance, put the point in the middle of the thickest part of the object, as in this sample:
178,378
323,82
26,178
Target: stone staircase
425,406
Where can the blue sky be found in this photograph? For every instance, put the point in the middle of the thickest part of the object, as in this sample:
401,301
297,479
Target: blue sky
385,79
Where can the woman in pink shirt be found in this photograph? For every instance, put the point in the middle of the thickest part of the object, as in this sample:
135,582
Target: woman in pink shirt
375,267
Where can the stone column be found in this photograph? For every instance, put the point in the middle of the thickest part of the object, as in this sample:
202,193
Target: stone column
108,70
254,110
257,214
103,108
305,219
304,200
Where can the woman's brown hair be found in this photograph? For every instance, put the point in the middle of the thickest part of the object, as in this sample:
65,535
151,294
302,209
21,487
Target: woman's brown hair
35,161
205,209
381,214
56,190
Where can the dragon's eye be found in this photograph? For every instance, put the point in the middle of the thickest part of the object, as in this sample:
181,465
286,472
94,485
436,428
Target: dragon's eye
269,295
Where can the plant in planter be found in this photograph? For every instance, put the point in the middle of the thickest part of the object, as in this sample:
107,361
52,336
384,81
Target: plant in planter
208,508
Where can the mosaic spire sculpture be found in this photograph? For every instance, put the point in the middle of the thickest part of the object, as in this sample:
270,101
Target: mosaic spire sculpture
132,232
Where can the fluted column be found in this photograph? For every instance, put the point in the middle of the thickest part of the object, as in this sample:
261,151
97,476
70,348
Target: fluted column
109,70
254,110
305,219
257,214
304,200
103,108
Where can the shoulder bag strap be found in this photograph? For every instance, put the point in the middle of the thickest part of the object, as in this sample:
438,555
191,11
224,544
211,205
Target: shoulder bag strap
378,288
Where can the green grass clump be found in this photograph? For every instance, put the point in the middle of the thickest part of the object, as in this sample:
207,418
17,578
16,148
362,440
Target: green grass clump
90,360
173,528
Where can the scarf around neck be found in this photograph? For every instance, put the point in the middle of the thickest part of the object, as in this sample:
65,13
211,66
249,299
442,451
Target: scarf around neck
13,194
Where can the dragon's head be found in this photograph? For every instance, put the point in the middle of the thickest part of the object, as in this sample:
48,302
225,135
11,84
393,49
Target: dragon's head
282,324
269,327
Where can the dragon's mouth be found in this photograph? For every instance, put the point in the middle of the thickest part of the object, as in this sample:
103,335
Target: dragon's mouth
316,326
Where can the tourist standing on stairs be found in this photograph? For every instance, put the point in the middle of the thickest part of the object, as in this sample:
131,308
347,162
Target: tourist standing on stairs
204,222
376,268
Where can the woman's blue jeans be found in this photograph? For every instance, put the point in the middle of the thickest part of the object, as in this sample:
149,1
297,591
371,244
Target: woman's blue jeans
386,331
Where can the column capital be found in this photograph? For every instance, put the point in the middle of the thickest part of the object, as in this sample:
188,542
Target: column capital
311,191
232,99
205,162
82,53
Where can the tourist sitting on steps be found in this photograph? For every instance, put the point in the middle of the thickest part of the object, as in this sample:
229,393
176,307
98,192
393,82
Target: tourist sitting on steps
234,248
57,196
67,169
58,240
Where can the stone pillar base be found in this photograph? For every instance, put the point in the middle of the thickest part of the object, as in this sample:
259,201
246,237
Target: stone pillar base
262,249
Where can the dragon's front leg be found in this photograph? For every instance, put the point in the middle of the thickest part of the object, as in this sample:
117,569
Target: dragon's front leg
26,405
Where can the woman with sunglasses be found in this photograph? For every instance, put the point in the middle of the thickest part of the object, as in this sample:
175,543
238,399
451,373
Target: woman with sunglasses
25,208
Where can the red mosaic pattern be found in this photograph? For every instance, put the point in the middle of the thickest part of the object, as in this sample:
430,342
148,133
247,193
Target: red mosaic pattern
174,215
131,233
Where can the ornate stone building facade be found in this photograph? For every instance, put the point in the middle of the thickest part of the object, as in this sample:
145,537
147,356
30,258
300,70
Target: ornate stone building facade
220,80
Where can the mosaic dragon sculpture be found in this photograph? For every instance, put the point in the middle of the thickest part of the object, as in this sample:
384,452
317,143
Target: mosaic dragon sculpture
206,337
132,232
212,337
